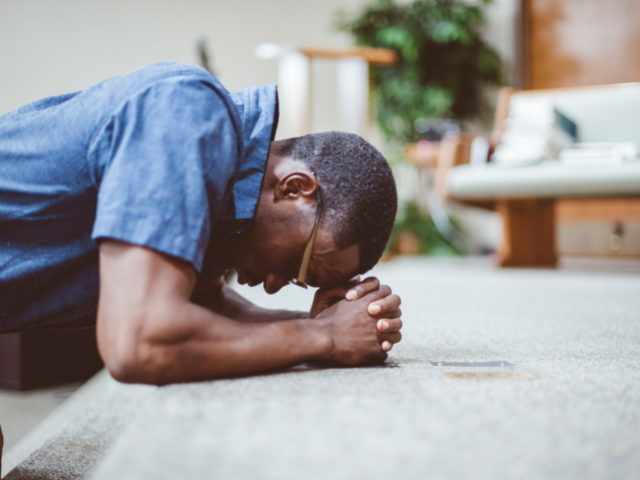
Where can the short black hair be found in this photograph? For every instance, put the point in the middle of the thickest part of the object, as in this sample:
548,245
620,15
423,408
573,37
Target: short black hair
359,193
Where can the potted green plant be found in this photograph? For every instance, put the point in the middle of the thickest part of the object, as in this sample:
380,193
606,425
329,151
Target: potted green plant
444,64
416,234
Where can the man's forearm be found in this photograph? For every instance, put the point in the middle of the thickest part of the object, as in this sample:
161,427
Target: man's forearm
232,305
197,344
151,330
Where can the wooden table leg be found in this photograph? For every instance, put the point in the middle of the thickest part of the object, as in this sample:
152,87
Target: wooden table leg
529,233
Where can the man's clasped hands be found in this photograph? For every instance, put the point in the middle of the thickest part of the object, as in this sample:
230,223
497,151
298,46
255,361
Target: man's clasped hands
364,319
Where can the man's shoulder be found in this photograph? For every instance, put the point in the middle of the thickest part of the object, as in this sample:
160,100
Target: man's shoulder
163,73
168,69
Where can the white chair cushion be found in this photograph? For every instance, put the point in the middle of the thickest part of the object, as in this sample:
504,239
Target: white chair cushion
543,180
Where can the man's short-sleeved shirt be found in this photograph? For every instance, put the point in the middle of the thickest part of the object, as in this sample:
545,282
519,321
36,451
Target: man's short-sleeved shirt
155,158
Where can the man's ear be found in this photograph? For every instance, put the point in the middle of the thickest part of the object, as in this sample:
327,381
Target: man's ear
296,184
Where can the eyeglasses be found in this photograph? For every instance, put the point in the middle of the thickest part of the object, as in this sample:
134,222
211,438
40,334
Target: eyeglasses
306,258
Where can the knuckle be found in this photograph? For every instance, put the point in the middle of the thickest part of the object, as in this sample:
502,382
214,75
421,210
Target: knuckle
374,295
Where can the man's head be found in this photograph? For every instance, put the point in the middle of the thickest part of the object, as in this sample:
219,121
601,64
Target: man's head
359,203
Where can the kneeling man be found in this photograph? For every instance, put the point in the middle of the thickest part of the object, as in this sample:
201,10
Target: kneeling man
126,203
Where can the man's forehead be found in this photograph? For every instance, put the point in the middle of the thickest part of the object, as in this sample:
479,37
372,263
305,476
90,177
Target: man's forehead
334,267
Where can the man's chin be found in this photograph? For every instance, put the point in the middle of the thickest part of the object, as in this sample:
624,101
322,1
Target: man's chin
271,287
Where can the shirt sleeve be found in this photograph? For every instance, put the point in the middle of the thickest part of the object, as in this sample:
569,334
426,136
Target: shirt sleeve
165,160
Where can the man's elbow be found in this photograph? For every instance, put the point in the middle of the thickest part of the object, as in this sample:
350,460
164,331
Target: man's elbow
133,366
131,358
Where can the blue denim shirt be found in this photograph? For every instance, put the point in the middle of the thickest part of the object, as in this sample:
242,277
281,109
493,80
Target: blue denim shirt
155,157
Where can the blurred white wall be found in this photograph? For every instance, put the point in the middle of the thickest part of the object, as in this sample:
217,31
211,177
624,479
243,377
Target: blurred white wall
51,47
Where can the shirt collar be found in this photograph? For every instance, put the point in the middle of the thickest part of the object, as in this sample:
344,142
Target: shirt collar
258,108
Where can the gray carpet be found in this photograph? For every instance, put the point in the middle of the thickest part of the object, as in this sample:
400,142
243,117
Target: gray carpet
72,452
578,331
